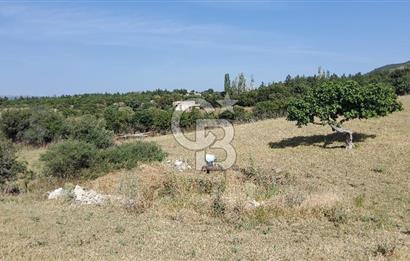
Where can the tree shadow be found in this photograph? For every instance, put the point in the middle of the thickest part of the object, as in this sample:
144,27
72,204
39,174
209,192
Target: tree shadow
319,140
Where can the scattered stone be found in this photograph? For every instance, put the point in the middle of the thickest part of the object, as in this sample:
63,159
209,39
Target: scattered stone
181,165
87,196
252,204
56,193
79,194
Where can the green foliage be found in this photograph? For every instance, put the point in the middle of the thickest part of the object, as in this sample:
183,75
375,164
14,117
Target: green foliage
129,154
162,120
269,109
118,119
14,122
91,130
335,102
36,127
142,120
80,159
188,119
151,110
44,127
69,159
9,166
227,83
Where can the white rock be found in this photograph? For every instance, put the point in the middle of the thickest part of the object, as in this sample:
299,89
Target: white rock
56,193
252,204
181,165
87,196
178,163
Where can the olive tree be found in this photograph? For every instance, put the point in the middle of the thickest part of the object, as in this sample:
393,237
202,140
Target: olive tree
335,102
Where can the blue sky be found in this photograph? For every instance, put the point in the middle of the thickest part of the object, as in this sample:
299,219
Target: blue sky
68,47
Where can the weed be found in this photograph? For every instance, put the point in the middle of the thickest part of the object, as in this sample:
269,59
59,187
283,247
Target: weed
359,201
119,229
218,206
378,169
385,249
336,215
294,199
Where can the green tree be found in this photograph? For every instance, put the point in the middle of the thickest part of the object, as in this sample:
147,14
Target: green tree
333,103
227,84
91,130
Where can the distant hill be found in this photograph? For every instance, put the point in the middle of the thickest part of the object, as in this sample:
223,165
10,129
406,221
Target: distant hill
392,67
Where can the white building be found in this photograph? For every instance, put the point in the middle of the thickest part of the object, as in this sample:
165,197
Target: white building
185,105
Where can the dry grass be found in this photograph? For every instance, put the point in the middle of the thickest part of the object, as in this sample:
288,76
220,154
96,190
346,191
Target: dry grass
326,203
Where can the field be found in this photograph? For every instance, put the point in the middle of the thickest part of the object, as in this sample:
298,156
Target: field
326,203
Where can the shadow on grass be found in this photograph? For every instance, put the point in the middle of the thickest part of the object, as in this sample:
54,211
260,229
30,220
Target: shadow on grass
319,140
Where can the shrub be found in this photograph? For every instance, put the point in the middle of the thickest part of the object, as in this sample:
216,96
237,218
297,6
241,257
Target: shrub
142,120
14,122
129,154
69,159
45,126
226,115
35,127
241,114
9,166
188,119
269,109
91,130
162,120
218,206
118,119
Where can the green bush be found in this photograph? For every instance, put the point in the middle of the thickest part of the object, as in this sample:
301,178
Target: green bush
9,166
142,120
69,159
162,120
188,119
269,109
36,127
45,127
91,130
80,159
226,115
129,154
119,119
14,122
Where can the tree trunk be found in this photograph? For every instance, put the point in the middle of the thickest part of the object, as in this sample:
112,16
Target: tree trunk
348,133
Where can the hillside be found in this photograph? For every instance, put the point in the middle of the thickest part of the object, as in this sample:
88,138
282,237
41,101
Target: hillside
392,67
326,203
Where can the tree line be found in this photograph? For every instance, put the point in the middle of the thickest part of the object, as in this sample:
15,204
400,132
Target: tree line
41,120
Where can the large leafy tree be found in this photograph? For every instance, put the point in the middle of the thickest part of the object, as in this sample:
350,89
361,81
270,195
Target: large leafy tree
334,102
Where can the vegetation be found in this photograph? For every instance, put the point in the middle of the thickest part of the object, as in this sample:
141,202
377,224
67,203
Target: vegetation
151,110
334,103
89,129
293,202
128,155
71,159
9,166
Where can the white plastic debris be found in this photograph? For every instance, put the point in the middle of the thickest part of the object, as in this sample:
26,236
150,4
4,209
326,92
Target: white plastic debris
56,193
210,159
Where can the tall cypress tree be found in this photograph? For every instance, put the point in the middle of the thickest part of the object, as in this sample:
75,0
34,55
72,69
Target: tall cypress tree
227,84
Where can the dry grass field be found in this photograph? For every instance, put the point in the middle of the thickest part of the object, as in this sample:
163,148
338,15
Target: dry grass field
315,203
